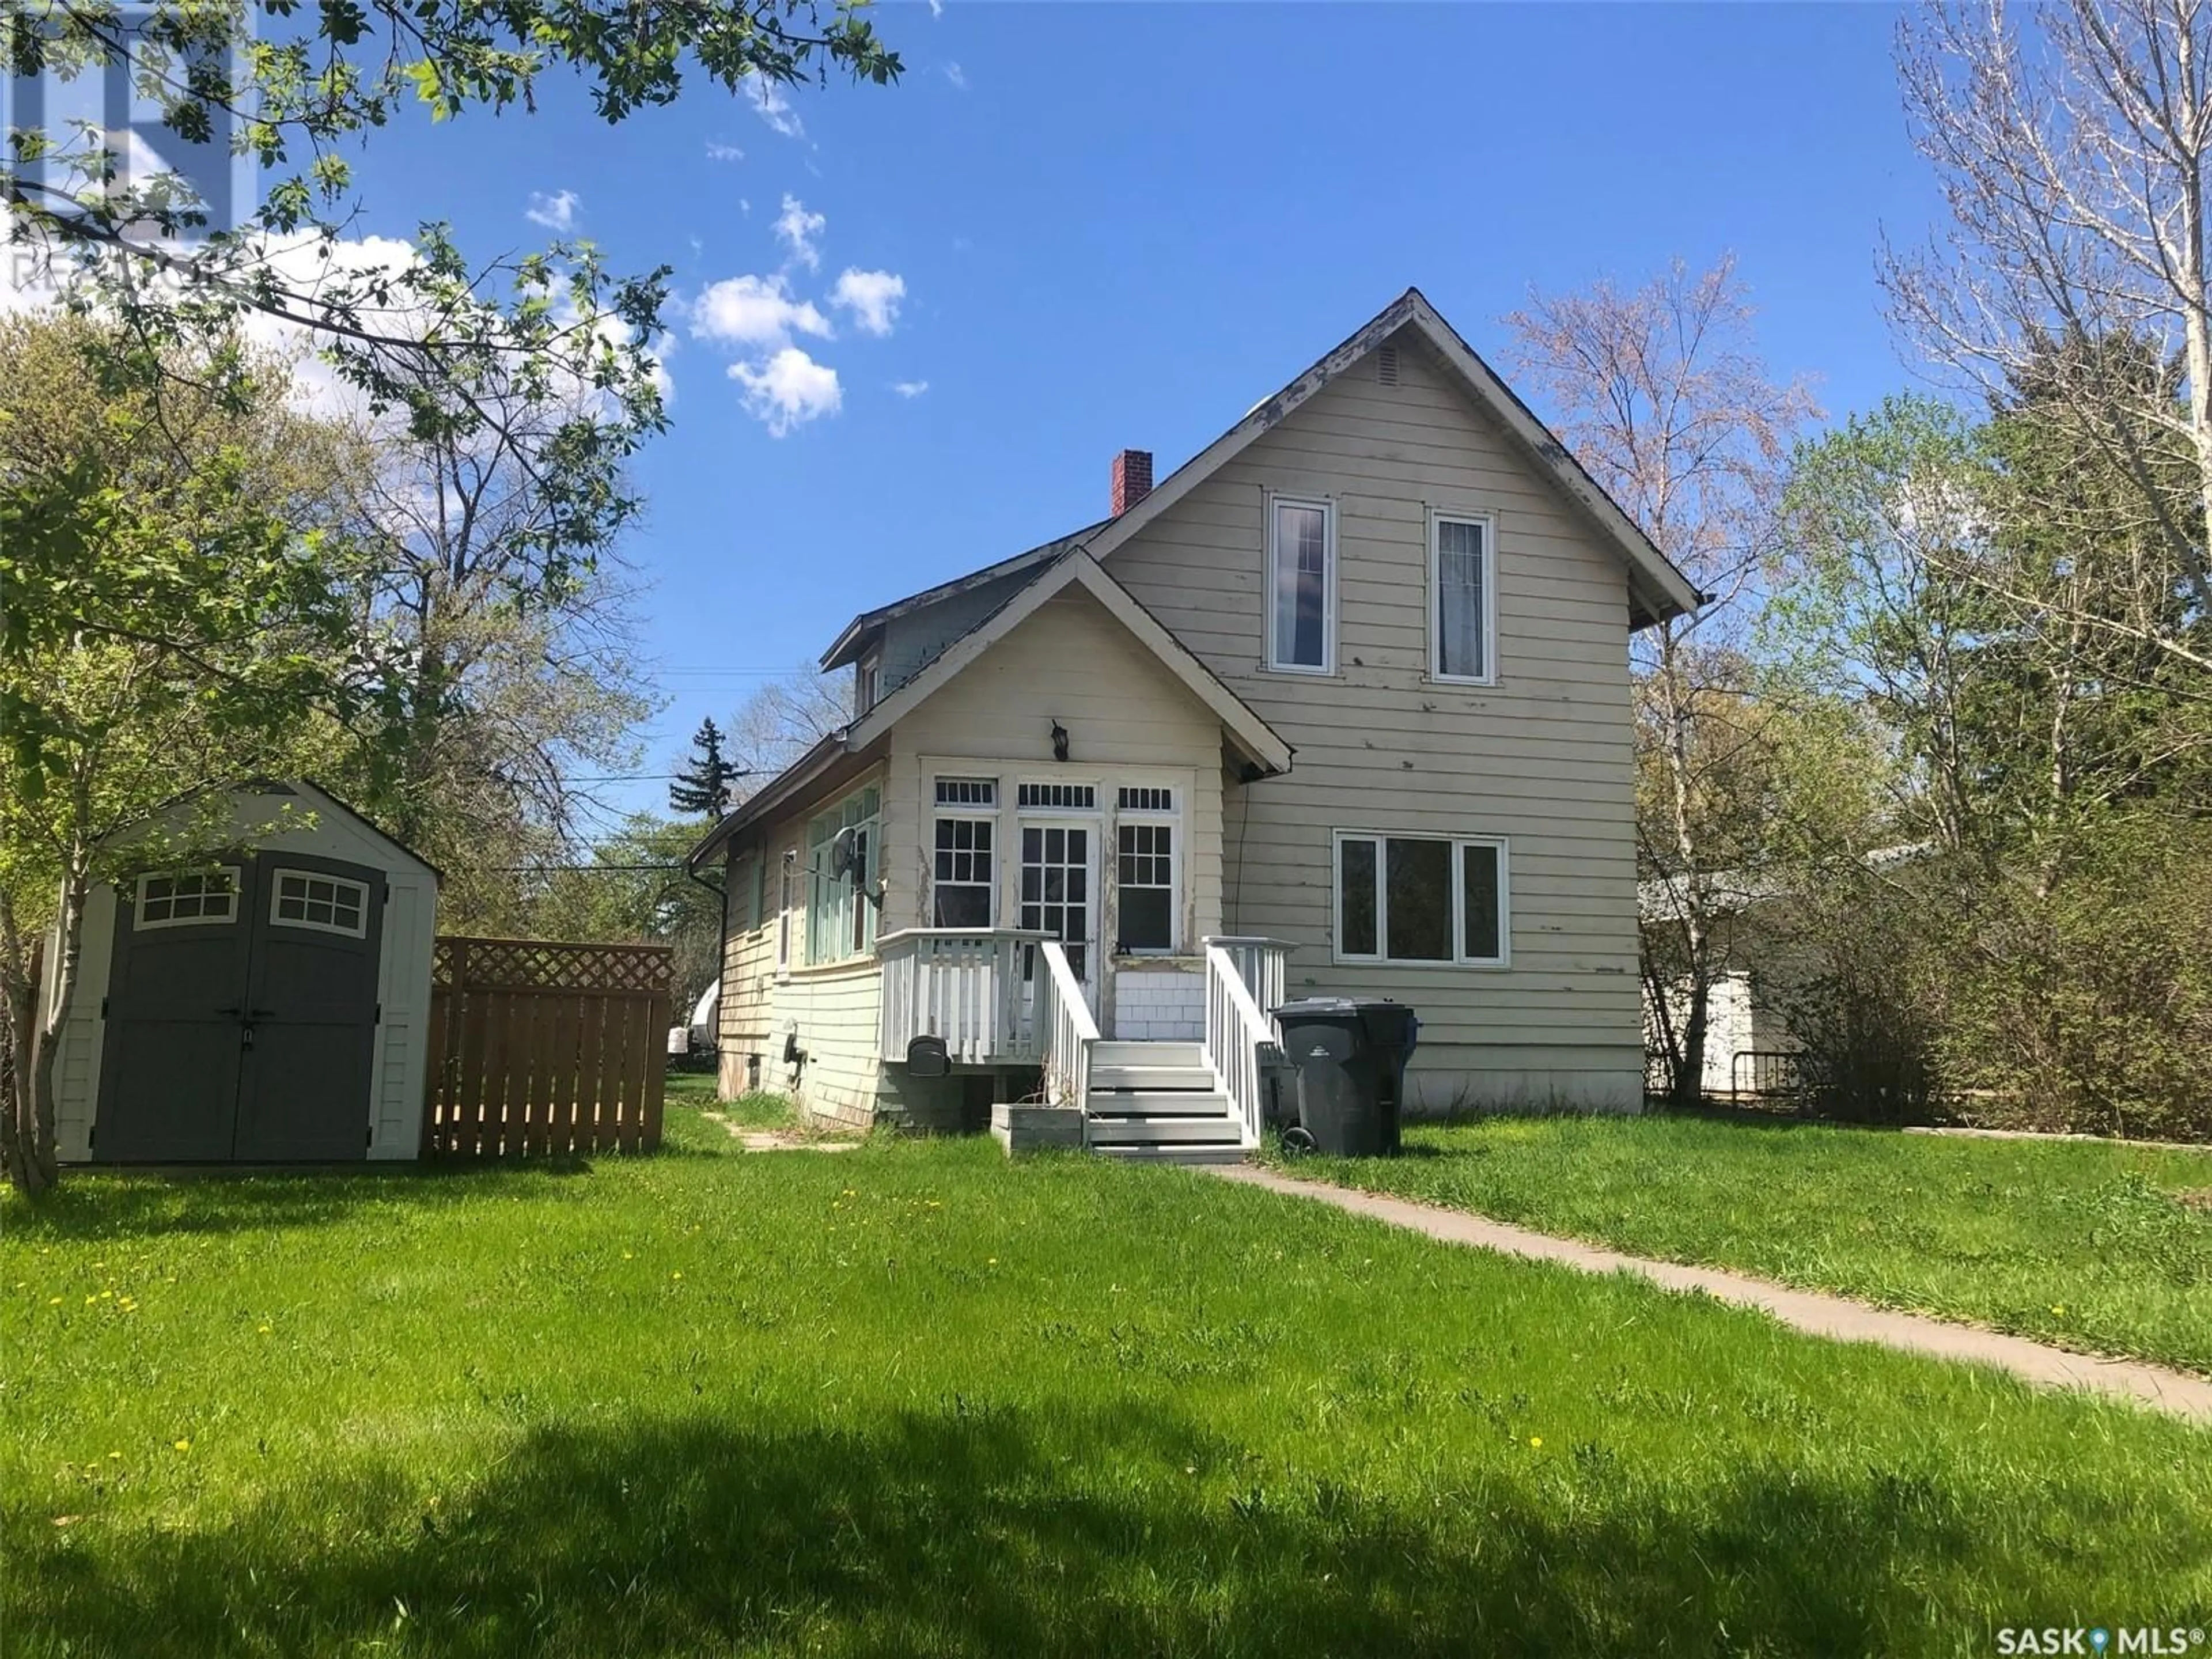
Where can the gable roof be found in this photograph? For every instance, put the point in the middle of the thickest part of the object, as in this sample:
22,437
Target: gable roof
1260,743
848,645
1656,588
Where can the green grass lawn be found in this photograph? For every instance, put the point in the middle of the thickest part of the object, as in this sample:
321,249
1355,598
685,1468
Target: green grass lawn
915,1400
2099,1246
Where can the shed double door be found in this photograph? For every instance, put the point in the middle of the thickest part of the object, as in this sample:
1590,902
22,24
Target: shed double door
241,1015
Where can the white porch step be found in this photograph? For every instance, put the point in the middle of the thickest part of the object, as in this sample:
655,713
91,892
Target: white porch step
1120,1052
1160,1103
1166,1078
1227,1152
1156,1131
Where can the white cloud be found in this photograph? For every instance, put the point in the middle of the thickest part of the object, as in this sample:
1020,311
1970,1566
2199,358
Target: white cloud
872,297
936,7
797,228
957,76
768,102
788,390
718,151
754,311
556,212
909,388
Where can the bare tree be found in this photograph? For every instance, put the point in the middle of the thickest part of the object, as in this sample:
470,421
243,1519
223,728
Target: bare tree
1661,396
2073,146
783,720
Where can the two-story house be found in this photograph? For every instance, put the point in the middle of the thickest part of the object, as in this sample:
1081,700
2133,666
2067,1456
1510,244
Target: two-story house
1339,706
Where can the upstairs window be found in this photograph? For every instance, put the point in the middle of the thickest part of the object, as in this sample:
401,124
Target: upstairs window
1301,586
1461,587
1421,899
868,685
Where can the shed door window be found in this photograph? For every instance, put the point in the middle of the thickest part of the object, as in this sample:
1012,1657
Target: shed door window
1303,584
1420,899
185,898
331,904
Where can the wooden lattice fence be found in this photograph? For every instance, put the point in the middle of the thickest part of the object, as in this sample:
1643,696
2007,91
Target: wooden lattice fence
540,1048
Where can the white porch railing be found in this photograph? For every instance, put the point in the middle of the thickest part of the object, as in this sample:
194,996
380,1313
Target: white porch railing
963,984
1235,1031
1258,963
1067,1030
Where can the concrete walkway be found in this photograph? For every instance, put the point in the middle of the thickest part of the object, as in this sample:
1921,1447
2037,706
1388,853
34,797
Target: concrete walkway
1812,1311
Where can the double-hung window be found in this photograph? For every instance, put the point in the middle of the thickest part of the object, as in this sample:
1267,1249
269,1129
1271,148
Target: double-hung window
1461,588
1145,856
964,873
1301,585
1421,899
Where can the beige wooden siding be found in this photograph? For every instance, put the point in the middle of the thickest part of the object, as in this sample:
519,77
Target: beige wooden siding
833,1006
1124,712
1543,758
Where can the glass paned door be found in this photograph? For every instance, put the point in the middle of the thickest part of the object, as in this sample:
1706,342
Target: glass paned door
1059,889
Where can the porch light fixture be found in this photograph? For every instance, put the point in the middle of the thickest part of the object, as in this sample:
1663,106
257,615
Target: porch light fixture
1059,741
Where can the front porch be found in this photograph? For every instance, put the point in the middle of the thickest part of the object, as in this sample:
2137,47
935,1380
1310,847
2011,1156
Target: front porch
1010,1005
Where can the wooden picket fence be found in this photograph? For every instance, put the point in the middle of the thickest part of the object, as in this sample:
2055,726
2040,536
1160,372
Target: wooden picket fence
539,1048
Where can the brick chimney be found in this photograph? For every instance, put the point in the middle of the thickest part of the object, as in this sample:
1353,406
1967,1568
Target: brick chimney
1132,478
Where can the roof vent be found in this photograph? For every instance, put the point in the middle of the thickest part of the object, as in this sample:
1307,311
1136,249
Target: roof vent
1386,364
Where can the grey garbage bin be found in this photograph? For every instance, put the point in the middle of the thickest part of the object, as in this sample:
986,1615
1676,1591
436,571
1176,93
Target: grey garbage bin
1350,1058
1392,1029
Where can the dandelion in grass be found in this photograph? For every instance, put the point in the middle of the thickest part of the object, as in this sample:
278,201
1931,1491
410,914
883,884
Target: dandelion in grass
679,1274
2059,1308
263,1329
185,1445
1537,1440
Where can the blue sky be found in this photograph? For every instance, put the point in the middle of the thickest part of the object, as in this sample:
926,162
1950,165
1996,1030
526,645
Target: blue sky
1120,225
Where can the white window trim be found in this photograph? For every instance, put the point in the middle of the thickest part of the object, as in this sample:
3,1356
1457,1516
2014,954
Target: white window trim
1438,516
1173,818
1327,504
140,924
787,878
972,812
277,896
1457,843
868,682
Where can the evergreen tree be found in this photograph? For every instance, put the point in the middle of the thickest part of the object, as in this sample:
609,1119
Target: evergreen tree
703,785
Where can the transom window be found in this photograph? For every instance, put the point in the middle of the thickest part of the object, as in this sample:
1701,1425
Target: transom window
185,898
1302,585
967,792
1145,850
1067,797
1421,899
1146,801
1461,567
302,898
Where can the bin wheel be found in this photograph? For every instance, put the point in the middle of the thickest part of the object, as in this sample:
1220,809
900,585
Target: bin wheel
1296,1140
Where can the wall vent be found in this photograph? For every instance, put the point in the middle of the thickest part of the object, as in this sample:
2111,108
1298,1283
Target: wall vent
1386,364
